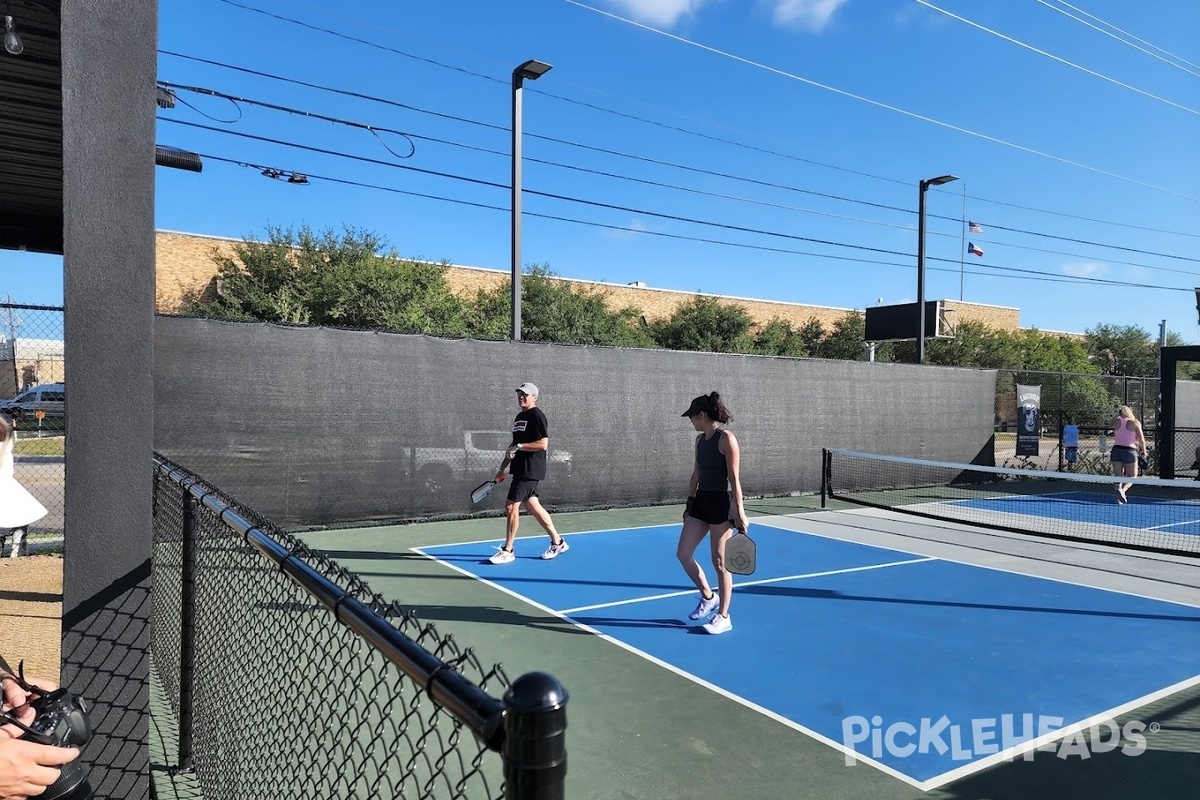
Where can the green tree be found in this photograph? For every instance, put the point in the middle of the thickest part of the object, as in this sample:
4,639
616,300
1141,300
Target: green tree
975,345
556,311
388,292
553,310
846,340
298,276
707,324
779,338
1123,350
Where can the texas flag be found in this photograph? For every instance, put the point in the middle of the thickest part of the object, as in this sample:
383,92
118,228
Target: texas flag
973,227
973,250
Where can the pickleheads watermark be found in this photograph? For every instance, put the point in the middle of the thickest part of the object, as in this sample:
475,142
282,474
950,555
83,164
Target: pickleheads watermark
976,738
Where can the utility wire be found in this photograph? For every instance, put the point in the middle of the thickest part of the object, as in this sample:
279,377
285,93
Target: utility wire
1029,274
505,129
670,217
879,104
1060,60
374,130
660,184
1172,57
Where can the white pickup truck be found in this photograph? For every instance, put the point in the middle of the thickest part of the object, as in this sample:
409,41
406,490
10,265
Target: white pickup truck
438,469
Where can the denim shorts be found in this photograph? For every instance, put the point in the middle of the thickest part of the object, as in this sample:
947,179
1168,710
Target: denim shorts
1123,455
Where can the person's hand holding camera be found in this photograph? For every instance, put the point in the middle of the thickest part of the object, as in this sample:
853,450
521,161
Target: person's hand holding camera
26,768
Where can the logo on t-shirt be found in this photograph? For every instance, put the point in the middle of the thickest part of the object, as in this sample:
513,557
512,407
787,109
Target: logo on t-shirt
520,425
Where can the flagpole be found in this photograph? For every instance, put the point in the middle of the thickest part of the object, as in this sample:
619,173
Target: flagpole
962,245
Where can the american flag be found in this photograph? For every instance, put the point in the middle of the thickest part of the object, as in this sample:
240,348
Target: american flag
973,250
973,227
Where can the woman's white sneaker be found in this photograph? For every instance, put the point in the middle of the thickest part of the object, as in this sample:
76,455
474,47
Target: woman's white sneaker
705,608
718,624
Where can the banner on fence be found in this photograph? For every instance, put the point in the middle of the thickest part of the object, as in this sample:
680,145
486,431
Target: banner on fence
1029,423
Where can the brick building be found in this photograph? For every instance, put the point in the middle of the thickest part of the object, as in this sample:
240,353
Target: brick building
186,264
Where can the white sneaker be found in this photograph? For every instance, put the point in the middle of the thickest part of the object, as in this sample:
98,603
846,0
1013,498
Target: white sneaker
503,556
718,624
705,608
556,550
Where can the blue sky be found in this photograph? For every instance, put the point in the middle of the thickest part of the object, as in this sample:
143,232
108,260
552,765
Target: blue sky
756,148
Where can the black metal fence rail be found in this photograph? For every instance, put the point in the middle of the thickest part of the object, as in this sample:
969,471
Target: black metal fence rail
277,697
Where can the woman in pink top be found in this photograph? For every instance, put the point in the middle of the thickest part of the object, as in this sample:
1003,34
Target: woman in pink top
1128,444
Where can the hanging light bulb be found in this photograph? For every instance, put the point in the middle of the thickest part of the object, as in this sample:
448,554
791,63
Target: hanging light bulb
12,40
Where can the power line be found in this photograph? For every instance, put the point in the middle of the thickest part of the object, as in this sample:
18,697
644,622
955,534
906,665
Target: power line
1123,33
504,129
375,130
1028,274
660,184
1059,59
880,104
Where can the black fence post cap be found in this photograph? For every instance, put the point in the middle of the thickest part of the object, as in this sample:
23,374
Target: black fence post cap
535,692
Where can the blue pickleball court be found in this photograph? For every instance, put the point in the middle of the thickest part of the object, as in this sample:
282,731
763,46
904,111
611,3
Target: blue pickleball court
1092,508
849,642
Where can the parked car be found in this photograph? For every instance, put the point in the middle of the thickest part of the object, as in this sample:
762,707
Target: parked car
440,468
49,398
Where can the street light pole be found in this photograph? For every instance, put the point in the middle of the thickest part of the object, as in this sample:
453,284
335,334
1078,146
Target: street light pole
531,70
925,184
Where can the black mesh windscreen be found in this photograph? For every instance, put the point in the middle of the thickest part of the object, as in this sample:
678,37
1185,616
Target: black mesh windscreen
316,426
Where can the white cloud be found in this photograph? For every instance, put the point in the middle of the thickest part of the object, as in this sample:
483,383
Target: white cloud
807,15
658,12
1086,269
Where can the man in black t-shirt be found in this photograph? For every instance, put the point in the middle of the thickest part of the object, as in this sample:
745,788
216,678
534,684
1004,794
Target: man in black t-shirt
526,459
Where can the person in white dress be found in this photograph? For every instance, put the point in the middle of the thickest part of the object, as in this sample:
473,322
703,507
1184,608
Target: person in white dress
18,508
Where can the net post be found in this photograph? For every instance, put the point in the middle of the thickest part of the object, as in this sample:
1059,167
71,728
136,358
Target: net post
535,744
824,475
187,630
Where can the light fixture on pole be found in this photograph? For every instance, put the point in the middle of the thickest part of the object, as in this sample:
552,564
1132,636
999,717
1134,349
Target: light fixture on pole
531,70
925,184
12,39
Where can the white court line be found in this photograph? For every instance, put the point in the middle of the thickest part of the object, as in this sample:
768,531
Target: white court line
885,515
833,743
1172,525
746,583
779,523
422,549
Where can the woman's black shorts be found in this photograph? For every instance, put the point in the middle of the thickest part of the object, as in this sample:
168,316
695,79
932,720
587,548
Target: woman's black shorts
710,507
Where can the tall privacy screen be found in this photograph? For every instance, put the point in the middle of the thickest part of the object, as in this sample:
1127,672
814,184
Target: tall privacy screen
1154,515
290,678
317,426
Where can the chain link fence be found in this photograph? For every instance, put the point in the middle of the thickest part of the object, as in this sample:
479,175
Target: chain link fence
1090,403
277,697
33,398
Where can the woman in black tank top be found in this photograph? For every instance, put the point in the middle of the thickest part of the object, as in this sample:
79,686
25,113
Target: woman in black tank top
714,507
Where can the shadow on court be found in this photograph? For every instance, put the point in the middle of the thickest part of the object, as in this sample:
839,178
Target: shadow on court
638,730
825,594
1169,767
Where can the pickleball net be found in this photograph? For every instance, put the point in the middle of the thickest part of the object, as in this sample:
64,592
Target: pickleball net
1159,515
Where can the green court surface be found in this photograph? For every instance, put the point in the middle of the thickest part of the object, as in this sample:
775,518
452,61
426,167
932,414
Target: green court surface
638,729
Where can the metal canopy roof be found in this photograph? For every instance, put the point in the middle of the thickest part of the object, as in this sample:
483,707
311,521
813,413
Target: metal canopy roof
31,132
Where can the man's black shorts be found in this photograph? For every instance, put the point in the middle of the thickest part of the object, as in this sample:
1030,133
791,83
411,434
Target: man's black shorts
710,507
521,490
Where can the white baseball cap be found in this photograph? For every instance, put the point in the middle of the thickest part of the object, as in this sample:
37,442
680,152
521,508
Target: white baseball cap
528,388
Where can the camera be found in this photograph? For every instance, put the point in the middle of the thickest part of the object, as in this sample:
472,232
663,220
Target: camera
60,720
